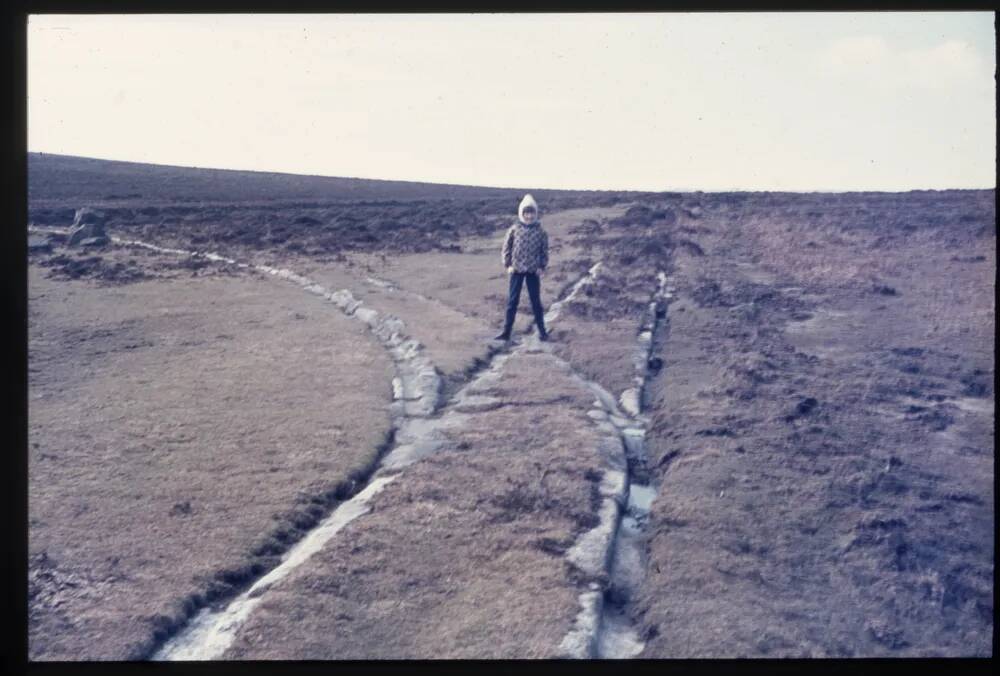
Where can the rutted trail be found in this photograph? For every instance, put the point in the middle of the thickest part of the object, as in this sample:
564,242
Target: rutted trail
478,418
418,433
599,629
617,636
613,549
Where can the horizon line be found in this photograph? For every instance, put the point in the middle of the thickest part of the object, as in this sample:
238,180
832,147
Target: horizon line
518,188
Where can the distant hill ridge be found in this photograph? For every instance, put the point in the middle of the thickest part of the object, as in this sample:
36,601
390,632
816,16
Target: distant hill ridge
57,179
57,183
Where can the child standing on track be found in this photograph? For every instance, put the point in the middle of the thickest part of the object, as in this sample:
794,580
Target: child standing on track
525,256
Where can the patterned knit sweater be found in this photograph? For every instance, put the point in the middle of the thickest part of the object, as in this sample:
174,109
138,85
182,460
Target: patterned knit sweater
526,247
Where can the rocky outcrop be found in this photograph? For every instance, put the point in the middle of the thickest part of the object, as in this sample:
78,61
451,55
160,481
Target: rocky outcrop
88,228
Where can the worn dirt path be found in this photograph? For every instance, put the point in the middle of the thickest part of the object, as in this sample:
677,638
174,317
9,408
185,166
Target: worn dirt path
489,544
417,389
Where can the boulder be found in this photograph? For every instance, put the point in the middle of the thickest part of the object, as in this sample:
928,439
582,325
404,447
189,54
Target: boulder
87,224
88,216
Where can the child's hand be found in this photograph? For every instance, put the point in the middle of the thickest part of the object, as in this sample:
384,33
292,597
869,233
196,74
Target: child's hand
541,271
510,269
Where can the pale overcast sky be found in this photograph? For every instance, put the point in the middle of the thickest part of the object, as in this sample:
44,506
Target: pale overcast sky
796,101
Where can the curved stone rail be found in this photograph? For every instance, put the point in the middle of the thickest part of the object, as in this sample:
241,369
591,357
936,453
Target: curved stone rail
416,394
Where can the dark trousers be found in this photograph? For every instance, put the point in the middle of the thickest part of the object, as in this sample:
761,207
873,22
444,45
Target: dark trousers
514,297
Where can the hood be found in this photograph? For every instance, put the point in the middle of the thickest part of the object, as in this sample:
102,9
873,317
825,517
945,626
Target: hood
528,201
